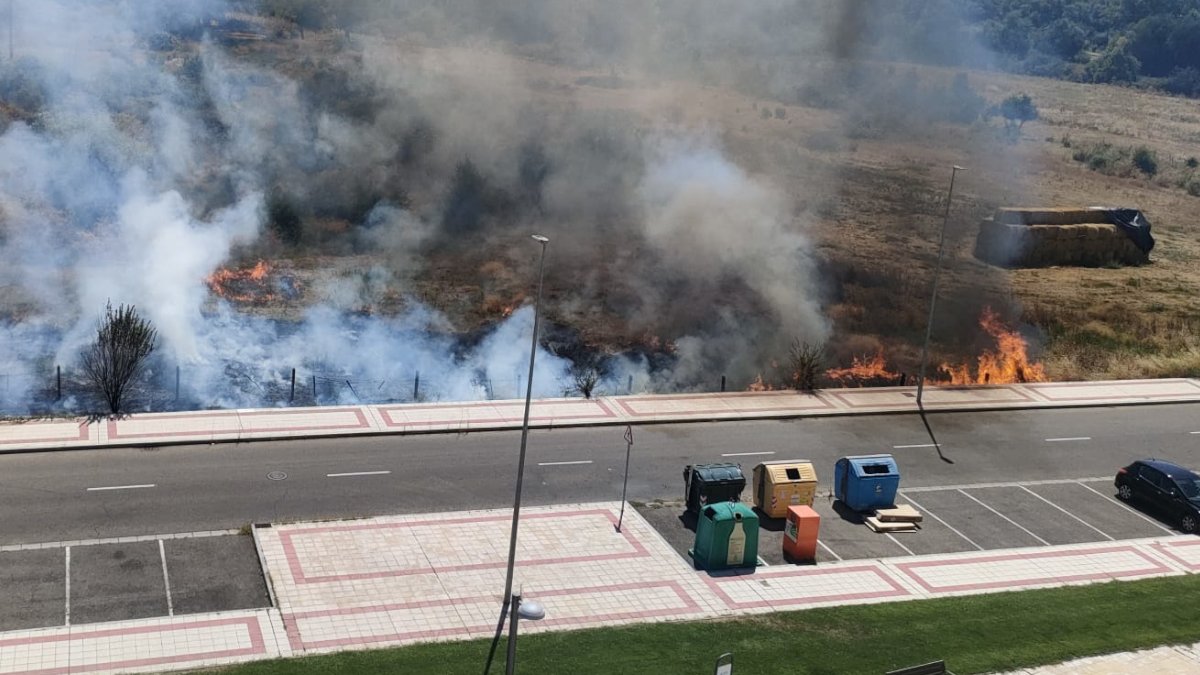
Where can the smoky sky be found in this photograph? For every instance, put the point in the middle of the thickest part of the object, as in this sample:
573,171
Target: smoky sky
144,144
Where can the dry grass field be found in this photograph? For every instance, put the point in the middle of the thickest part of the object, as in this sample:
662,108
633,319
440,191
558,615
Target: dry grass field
872,204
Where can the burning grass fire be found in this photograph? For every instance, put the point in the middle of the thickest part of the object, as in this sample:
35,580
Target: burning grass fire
1008,363
242,285
863,370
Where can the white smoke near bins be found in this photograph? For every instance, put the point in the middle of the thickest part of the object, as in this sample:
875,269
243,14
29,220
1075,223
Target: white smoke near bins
141,175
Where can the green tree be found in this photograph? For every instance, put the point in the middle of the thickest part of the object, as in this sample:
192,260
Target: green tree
1017,110
1146,160
111,364
1116,65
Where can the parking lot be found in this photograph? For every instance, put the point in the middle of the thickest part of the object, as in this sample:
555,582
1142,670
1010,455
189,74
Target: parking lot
957,518
68,585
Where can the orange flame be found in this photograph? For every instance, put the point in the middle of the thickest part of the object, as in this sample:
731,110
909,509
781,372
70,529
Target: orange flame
242,285
759,385
1009,363
873,368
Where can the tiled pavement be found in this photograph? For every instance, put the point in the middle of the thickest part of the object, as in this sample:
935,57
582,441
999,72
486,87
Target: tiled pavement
234,425
405,579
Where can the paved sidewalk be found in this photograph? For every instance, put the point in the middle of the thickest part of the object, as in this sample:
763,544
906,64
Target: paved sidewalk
1180,660
273,423
404,579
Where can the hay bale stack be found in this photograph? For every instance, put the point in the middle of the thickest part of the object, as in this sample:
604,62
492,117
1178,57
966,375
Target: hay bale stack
1045,237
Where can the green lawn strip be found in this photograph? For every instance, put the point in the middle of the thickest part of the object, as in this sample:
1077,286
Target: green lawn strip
981,633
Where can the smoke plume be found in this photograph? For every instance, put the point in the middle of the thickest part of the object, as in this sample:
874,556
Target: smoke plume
143,146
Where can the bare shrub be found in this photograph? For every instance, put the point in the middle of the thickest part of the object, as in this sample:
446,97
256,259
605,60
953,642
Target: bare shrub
805,361
111,364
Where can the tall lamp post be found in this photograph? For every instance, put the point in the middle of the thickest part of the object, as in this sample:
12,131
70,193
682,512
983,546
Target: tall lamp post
512,539
937,272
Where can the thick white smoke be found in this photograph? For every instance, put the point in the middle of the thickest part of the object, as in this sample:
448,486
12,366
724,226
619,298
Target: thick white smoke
151,154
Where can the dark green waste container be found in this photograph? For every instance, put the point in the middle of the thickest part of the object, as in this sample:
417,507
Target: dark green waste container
726,536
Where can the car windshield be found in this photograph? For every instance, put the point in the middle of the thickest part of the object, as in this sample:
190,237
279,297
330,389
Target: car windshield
1189,486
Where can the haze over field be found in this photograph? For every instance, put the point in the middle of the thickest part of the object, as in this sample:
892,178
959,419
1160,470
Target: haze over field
390,159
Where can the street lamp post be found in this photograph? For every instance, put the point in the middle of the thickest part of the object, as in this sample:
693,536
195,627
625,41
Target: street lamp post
529,609
937,272
512,539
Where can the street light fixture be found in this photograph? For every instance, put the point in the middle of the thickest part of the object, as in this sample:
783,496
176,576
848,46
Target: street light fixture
509,598
531,610
937,272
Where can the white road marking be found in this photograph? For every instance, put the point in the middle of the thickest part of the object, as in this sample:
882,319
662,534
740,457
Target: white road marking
893,538
357,473
918,445
121,487
1131,510
933,515
1194,433
67,611
1068,438
1023,529
580,461
973,486
747,454
162,553
1081,520
831,551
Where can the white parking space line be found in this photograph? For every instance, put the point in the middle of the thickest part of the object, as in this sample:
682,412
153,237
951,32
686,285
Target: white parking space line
67,609
1132,510
1069,438
162,553
120,487
831,551
974,486
357,473
1023,529
748,454
897,542
917,445
1081,520
933,515
581,461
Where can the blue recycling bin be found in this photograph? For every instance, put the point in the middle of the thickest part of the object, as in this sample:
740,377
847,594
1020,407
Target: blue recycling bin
866,482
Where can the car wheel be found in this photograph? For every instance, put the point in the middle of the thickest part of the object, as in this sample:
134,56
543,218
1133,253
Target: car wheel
1125,493
1188,523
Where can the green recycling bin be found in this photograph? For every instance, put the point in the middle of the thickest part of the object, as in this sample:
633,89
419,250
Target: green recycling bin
726,536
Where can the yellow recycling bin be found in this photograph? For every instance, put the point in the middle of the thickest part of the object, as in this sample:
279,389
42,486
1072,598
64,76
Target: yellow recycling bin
778,485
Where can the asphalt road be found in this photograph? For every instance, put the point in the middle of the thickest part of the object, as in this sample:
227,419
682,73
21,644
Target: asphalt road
53,496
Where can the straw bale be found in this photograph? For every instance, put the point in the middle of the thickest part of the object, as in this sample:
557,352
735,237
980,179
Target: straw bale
1045,216
1084,243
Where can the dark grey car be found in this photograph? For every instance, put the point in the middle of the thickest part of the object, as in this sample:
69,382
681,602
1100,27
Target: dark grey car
1171,489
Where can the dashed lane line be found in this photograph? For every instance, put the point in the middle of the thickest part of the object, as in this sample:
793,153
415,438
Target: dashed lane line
121,487
1131,510
67,607
1018,525
357,473
933,515
1102,533
916,445
897,542
748,454
578,461
831,551
1068,439
162,553
1010,484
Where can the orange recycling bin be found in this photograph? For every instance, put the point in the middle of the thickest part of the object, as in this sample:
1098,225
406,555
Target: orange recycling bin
800,533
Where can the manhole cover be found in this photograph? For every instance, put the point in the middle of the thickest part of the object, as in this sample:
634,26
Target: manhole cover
276,475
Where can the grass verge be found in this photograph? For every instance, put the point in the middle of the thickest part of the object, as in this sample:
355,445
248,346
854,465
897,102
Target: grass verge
982,633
